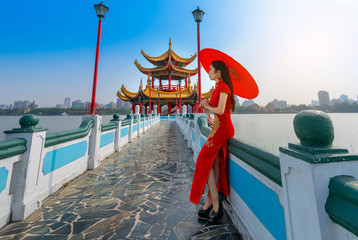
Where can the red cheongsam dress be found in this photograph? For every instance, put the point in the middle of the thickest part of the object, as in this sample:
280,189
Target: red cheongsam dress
216,143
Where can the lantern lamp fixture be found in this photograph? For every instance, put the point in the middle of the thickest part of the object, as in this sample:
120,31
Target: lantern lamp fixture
198,15
101,9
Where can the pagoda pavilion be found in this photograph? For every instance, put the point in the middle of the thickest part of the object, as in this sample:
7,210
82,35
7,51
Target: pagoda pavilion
169,67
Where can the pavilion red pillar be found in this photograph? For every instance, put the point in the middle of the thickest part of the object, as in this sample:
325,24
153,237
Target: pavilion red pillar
186,82
133,108
160,84
140,106
152,81
187,107
179,101
169,108
170,80
146,110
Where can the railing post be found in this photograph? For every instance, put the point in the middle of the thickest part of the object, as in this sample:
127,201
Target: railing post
25,172
138,124
94,141
306,169
197,148
130,128
189,133
117,134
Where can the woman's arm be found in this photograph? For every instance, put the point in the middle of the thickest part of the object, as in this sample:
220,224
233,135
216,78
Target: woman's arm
220,109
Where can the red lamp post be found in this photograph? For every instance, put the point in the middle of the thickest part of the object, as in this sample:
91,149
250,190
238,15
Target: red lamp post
150,96
179,96
101,10
198,17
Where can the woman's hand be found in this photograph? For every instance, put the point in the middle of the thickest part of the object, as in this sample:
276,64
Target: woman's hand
204,103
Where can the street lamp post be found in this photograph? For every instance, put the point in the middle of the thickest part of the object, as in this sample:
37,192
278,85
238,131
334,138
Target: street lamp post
150,96
179,96
198,17
101,11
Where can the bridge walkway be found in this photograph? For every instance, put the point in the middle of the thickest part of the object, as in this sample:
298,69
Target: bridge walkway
142,192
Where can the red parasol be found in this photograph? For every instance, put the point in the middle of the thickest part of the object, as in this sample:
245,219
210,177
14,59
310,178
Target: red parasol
243,83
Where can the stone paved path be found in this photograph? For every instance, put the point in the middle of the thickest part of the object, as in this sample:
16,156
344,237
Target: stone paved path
140,193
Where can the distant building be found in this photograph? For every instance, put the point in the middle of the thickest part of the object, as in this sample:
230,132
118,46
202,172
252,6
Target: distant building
127,104
120,103
256,106
323,98
33,105
270,107
78,104
279,104
314,103
111,105
67,102
248,102
344,99
21,104
4,106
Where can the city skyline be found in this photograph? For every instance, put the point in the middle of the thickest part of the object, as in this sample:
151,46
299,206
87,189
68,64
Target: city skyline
279,103
292,49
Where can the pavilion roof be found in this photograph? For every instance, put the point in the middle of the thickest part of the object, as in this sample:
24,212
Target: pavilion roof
168,63
188,92
163,72
169,53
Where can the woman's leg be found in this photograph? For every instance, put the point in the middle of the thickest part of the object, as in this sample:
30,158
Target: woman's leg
213,183
216,168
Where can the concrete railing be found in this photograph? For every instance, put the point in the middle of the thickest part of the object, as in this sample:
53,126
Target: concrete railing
298,195
34,164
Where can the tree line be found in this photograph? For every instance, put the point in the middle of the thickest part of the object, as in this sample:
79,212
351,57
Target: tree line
335,108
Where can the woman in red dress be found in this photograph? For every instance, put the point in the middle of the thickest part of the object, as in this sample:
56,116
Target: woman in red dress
211,167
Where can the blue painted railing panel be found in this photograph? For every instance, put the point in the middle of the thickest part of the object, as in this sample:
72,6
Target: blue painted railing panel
3,178
193,135
141,125
262,201
106,139
172,117
124,132
163,117
146,123
134,127
202,142
63,156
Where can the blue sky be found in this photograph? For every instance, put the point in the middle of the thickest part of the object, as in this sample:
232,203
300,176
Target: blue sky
292,49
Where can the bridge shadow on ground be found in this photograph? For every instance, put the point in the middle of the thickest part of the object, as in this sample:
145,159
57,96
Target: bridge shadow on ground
142,192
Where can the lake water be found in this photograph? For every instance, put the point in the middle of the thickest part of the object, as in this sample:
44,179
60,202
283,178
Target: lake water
265,131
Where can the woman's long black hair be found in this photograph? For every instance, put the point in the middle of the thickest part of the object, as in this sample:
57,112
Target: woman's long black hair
225,75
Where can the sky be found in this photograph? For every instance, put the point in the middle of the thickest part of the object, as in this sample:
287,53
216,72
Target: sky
293,49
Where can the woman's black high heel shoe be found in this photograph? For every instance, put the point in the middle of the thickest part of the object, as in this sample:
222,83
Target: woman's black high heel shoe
205,213
219,214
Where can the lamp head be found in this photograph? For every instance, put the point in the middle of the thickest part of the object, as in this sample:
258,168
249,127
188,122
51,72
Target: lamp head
198,15
101,10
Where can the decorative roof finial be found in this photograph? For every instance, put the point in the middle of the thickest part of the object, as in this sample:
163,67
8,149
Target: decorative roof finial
170,42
